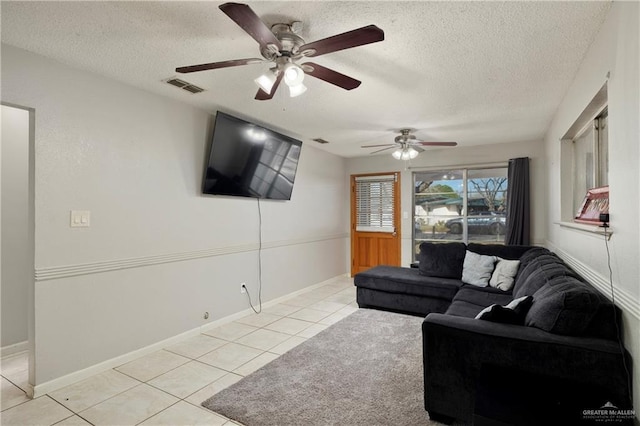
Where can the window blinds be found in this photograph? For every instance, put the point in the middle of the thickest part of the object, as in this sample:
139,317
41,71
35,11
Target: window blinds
374,203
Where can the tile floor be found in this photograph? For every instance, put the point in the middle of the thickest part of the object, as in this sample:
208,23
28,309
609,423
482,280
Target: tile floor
167,386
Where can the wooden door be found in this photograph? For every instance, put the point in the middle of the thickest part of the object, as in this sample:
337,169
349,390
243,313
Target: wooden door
375,220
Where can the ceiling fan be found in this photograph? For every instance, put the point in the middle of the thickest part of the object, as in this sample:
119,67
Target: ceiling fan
282,46
407,146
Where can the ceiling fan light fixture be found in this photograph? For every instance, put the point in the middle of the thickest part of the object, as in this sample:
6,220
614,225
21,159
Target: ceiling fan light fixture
405,153
266,80
297,90
293,74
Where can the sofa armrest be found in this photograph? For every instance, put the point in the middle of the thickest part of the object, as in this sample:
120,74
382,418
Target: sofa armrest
455,349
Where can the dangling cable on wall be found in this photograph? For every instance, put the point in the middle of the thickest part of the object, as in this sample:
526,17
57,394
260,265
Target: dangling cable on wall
613,300
257,311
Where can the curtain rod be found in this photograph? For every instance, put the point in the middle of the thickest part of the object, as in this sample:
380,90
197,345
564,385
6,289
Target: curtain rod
460,166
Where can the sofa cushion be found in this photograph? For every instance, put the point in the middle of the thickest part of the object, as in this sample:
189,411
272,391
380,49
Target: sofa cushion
499,250
504,274
482,296
477,269
529,256
470,300
512,313
532,254
537,272
564,305
460,308
395,279
442,260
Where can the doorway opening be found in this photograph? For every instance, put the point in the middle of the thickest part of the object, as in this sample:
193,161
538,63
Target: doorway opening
17,252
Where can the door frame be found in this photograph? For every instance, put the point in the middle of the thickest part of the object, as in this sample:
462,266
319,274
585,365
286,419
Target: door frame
396,214
31,328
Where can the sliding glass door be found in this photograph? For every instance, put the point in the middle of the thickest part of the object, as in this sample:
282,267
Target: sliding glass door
460,205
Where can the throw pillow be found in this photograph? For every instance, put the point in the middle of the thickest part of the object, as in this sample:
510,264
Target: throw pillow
477,269
564,305
521,305
442,260
504,274
512,313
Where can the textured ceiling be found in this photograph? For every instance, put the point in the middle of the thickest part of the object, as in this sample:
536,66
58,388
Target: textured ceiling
471,72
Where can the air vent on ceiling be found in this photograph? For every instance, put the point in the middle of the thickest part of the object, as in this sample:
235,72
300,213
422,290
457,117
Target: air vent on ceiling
320,140
184,85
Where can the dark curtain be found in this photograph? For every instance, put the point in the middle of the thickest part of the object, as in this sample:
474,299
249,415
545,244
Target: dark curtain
518,214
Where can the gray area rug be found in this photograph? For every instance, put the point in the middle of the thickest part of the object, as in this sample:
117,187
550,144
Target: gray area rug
363,370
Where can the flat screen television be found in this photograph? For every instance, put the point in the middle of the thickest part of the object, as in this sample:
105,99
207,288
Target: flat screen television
249,160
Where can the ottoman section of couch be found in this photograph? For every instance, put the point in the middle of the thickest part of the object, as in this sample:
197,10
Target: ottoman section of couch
404,290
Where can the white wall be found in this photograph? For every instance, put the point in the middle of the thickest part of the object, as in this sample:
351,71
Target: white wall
460,156
158,254
615,51
16,271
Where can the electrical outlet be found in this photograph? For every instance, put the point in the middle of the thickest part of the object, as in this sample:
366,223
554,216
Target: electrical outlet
243,288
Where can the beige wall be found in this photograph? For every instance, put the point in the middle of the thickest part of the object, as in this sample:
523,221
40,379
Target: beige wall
158,254
614,52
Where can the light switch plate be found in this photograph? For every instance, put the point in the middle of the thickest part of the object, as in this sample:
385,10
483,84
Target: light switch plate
80,218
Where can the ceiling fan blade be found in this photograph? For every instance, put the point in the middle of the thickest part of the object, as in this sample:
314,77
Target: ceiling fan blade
246,18
383,149
264,96
354,38
216,65
376,146
436,143
330,76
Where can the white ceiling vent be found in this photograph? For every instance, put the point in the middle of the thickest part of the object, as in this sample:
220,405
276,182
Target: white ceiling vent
184,85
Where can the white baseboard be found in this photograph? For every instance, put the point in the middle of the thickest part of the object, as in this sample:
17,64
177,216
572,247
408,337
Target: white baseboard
14,349
76,376
244,313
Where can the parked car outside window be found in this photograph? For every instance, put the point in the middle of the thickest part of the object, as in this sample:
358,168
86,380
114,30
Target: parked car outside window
482,223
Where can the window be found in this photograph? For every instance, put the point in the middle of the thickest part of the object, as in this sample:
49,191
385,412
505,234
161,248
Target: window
590,159
375,200
584,156
460,205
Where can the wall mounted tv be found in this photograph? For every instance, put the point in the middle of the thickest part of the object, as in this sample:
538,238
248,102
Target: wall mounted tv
249,160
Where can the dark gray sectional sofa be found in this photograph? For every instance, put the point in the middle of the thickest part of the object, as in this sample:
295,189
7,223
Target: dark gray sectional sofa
563,356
